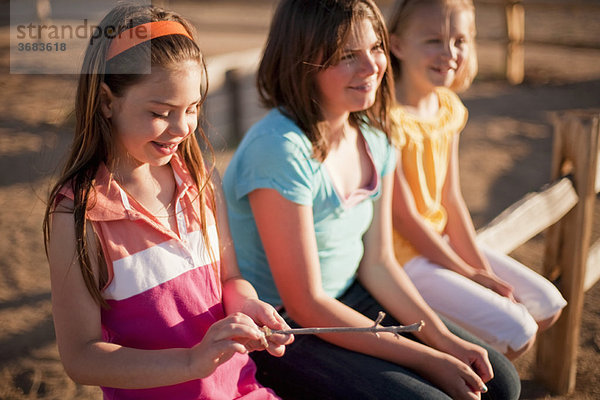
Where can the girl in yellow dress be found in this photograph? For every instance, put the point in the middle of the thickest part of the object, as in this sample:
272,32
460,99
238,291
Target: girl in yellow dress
487,293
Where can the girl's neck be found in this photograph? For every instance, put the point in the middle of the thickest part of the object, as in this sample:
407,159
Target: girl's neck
128,174
153,187
421,103
338,128
144,179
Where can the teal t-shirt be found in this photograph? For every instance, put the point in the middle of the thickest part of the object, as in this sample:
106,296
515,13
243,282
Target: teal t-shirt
276,154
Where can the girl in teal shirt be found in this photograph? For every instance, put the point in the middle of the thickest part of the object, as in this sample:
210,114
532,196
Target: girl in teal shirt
309,201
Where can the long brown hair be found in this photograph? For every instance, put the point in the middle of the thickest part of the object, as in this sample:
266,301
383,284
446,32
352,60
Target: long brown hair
403,11
93,145
307,36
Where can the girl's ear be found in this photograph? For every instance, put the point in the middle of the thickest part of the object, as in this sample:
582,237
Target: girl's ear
396,46
106,100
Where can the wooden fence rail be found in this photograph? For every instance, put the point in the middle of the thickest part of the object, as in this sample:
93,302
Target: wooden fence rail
529,216
566,209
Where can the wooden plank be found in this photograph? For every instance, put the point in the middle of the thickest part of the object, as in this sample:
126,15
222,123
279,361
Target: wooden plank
576,143
592,273
529,216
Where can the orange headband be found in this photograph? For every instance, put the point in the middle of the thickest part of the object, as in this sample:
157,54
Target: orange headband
142,33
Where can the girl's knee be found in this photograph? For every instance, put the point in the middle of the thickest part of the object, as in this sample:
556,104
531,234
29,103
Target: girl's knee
518,337
514,354
548,322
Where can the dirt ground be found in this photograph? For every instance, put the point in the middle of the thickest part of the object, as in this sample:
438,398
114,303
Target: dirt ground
506,152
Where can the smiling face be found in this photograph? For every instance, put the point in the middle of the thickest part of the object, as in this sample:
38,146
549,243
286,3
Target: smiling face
433,46
351,84
154,116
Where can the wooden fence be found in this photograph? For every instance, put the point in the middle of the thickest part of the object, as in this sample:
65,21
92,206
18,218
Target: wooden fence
514,13
565,208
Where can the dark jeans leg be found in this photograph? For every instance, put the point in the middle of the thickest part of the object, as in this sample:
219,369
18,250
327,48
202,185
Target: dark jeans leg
506,384
314,369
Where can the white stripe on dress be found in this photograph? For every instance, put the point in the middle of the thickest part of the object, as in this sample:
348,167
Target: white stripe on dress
154,266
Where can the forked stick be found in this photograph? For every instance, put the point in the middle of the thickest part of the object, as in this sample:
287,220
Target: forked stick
373,329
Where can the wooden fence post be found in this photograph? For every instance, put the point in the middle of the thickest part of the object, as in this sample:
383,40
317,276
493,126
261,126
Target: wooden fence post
576,146
43,10
233,78
515,52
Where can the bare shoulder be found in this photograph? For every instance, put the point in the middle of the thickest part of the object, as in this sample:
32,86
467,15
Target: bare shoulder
65,205
62,224
62,241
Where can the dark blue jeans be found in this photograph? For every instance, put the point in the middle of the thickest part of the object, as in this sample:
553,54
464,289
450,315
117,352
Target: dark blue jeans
314,369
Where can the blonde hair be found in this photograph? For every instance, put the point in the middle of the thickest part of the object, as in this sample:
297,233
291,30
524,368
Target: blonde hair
404,10
305,38
92,144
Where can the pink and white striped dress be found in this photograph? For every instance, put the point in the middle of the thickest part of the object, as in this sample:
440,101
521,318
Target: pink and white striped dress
163,288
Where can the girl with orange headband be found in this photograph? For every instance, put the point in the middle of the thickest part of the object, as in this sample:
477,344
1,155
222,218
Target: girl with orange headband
147,298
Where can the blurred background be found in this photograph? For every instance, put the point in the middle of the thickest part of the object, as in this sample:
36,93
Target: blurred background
554,65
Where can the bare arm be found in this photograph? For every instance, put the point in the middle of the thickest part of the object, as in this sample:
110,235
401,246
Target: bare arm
90,360
386,280
408,222
461,255
236,290
287,232
460,227
462,233
238,294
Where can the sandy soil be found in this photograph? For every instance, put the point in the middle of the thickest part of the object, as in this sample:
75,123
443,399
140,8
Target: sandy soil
506,151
